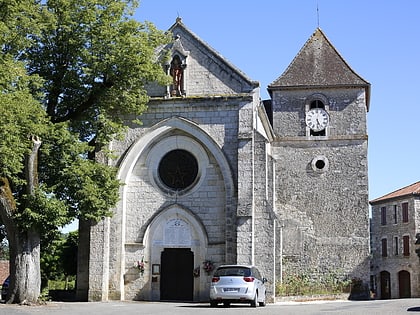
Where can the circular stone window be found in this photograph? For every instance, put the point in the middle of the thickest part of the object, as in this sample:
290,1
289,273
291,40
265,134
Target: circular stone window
178,169
320,164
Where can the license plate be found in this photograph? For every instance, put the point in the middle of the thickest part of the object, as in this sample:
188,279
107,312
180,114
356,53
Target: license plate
230,290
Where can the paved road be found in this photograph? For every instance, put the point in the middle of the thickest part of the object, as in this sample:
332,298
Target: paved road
388,307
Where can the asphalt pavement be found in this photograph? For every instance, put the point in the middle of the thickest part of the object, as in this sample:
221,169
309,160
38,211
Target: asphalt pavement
375,307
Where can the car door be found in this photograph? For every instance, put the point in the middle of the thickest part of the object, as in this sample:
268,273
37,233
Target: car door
260,284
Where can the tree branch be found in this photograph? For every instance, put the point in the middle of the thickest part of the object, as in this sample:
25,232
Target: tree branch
32,166
84,106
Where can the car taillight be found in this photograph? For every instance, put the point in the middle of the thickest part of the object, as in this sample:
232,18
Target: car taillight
215,279
249,279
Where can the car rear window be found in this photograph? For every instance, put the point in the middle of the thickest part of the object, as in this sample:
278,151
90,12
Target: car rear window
233,271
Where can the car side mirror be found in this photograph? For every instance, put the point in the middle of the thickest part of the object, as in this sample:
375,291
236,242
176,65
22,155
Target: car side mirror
264,280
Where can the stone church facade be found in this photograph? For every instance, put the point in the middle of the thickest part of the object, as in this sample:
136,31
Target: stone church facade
216,176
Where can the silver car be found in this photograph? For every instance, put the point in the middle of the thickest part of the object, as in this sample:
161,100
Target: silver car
237,284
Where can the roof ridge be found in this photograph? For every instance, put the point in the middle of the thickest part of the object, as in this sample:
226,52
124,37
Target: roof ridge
296,56
412,189
179,23
338,53
405,187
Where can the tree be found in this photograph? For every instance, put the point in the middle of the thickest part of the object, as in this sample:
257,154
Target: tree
71,71
51,267
59,258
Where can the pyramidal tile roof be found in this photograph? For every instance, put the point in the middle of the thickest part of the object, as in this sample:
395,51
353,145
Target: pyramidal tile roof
318,64
413,189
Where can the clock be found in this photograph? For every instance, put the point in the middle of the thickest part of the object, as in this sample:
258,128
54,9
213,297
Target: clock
317,119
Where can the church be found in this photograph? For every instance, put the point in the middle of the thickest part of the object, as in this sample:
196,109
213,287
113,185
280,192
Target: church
215,175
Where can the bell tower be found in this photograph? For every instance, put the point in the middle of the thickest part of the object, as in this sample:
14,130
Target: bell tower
319,118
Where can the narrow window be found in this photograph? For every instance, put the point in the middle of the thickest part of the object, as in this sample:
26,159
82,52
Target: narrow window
396,245
383,215
406,245
384,247
404,207
395,214
317,104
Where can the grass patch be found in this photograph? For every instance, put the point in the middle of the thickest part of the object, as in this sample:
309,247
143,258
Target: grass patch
66,284
308,285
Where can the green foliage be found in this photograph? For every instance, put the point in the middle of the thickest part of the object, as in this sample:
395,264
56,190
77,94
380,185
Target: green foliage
69,254
66,284
70,70
88,187
44,213
16,22
99,63
59,259
51,267
21,116
307,284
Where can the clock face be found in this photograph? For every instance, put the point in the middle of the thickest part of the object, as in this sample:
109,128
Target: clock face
317,119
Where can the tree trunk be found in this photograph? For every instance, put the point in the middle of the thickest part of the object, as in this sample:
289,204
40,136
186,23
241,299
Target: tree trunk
25,269
24,245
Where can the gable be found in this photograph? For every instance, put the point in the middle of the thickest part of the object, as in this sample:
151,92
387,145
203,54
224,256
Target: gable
203,71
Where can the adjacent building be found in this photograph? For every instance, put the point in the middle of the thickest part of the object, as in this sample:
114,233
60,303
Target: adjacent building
216,175
395,266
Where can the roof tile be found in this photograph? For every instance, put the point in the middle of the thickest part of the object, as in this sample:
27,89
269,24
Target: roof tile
413,189
318,63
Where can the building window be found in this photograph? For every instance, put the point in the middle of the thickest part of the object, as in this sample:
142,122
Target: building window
404,207
320,164
395,214
383,215
406,245
317,104
384,247
396,245
178,169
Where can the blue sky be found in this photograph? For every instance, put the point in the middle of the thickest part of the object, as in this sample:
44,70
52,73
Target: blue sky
379,39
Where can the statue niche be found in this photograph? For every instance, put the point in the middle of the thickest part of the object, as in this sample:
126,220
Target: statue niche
177,73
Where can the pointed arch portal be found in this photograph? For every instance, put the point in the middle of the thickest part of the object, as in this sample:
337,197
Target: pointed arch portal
177,241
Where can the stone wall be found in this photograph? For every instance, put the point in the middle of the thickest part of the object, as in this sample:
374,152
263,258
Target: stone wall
322,184
325,214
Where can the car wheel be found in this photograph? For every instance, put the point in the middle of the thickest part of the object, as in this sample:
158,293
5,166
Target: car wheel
262,303
226,304
254,302
213,304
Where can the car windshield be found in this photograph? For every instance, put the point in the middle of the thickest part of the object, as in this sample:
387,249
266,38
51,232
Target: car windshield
233,271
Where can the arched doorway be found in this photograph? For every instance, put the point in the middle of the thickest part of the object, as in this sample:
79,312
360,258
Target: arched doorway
176,274
404,284
385,285
176,242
